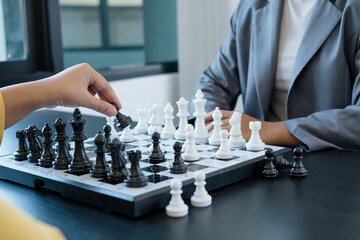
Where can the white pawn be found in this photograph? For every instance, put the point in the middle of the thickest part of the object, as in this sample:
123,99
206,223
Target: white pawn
176,207
201,133
162,147
111,122
142,125
188,128
224,151
255,143
169,128
127,135
191,153
201,198
154,120
214,139
182,114
236,139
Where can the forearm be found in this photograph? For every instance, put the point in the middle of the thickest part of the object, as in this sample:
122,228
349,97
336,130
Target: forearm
272,133
20,100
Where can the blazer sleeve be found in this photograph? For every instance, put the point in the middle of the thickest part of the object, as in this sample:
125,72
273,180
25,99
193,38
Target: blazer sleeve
220,81
335,128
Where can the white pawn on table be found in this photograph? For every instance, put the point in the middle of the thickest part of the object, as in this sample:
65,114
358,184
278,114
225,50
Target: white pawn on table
200,198
176,207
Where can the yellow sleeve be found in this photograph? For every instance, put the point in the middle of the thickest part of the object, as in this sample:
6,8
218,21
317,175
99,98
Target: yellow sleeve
15,224
2,117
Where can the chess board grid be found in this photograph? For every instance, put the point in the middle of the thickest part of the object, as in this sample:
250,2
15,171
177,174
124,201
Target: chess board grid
135,201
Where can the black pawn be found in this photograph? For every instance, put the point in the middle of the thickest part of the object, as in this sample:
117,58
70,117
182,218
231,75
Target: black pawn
156,156
298,169
123,121
107,132
22,151
282,163
178,165
78,164
48,155
35,145
136,177
100,168
63,156
269,169
118,172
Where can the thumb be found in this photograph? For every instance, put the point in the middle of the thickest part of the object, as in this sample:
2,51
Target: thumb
101,106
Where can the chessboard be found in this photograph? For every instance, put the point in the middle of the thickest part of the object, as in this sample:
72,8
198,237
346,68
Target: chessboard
135,202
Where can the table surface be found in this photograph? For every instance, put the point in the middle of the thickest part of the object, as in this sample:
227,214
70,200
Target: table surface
323,205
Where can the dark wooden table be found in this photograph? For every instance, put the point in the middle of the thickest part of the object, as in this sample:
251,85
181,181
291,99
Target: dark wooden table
323,205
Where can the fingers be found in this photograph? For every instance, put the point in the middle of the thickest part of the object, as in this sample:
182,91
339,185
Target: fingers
100,106
103,89
208,118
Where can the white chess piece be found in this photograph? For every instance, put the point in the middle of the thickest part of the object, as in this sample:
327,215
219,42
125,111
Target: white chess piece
142,126
201,198
224,151
127,135
182,114
188,128
154,120
201,133
214,139
236,139
191,153
255,143
176,207
169,128
111,122
161,146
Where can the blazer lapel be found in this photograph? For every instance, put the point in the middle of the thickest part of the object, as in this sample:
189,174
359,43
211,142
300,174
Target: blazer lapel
266,39
324,18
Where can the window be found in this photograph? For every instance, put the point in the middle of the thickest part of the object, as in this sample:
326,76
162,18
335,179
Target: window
12,31
120,38
115,34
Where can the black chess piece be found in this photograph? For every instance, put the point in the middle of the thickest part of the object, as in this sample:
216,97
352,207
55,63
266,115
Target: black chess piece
281,163
35,145
62,156
178,165
123,121
136,177
118,172
22,151
269,168
78,164
100,168
298,169
156,156
48,155
107,132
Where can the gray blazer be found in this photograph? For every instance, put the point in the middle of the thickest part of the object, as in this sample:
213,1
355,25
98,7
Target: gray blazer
322,105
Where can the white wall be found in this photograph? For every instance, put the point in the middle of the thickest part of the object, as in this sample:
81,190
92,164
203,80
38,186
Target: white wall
141,93
202,26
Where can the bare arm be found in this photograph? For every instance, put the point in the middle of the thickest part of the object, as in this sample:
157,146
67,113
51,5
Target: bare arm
75,86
